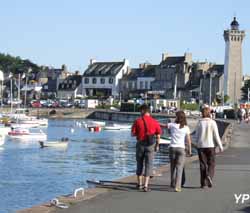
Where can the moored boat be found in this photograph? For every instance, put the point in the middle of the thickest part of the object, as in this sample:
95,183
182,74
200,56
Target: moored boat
117,127
25,134
2,138
63,143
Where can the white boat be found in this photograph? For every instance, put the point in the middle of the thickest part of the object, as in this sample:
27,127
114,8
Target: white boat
2,138
96,123
24,125
117,127
4,130
33,121
165,140
25,134
63,143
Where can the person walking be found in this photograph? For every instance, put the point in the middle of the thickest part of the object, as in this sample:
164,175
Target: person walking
180,135
145,129
208,138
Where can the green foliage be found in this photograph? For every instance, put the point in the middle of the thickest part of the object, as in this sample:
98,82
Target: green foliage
226,98
245,90
189,106
12,64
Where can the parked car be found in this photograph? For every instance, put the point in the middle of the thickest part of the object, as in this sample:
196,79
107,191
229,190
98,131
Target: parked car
36,104
66,104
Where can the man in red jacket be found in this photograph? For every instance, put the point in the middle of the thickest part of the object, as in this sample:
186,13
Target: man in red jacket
145,128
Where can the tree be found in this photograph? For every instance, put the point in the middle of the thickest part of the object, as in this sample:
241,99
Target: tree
226,98
244,90
16,65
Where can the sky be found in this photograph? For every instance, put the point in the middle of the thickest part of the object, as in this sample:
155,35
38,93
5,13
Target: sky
71,32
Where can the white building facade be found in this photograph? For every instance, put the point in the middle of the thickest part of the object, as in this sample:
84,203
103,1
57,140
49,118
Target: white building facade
102,78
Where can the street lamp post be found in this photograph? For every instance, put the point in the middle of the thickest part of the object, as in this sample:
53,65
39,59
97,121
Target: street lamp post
11,93
19,89
25,92
211,76
26,85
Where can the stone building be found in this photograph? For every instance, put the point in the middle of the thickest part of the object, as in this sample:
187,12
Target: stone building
212,84
172,75
137,83
233,61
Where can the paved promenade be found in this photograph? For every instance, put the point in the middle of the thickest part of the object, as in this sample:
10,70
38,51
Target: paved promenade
232,177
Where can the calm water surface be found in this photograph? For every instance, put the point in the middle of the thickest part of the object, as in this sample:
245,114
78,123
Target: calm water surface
30,175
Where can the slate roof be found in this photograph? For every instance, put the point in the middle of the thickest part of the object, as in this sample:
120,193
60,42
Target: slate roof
50,86
70,83
219,68
103,69
135,73
169,61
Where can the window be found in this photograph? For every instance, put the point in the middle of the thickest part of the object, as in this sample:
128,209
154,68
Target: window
141,84
86,80
102,80
130,85
146,85
94,80
111,80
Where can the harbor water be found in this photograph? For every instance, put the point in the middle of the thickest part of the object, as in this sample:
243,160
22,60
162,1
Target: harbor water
30,175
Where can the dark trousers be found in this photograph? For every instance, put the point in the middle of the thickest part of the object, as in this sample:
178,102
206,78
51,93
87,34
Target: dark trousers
207,164
144,158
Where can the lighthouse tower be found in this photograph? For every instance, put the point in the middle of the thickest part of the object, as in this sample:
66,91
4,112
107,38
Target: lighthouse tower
233,62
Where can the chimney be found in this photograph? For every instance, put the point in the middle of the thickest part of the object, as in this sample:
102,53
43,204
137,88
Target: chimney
144,65
92,61
188,57
164,56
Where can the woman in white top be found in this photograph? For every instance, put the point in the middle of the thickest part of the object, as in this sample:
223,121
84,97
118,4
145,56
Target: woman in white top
208,138
180,134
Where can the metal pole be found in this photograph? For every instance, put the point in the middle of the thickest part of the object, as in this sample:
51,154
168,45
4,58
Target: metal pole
175,86
210,90
25,94
200,95
19,96
2,93
248,94
11,96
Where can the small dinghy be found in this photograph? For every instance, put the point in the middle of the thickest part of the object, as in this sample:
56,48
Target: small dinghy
63,143
117,127
25,134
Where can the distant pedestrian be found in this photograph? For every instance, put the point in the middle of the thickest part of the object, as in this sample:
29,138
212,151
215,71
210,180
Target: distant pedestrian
145,128
241,114
180,135
207,139
151,108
